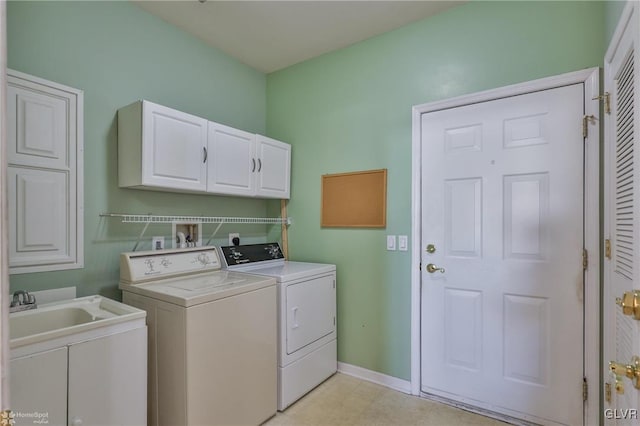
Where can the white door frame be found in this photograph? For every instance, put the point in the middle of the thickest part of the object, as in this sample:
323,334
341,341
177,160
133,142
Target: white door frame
591,80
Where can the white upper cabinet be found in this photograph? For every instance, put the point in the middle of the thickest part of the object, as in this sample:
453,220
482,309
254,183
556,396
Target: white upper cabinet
44,152
233,162
274,168
242,163
161,148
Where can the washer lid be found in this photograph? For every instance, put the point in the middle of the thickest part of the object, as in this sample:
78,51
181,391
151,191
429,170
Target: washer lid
200,288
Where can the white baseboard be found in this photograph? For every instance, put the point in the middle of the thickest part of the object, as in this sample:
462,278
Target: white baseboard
395,383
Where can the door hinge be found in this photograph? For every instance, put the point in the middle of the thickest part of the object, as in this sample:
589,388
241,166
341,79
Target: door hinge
585,259
607,392
334,320
585,124
585,389
606,97
334,283
607,248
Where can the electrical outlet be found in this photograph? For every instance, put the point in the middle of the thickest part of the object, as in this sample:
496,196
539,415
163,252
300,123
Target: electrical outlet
157,243
233,235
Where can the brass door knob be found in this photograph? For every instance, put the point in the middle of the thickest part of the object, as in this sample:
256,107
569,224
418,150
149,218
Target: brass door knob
431,268
630,303
631,370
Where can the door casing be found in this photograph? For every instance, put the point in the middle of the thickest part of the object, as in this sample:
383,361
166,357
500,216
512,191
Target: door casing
590,79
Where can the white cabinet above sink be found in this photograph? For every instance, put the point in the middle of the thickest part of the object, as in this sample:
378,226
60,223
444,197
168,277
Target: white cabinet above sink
163,149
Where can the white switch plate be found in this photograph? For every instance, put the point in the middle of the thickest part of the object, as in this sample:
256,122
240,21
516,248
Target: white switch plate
403,242
233,235
391,242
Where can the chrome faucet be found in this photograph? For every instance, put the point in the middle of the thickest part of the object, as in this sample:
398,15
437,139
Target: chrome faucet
22,301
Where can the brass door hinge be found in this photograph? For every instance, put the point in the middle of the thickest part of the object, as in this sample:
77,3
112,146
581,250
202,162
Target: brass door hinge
585,124
606,97
607,248
585,389
607,392
585,259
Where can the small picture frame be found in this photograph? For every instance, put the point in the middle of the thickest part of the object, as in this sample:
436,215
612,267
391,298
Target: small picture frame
186,234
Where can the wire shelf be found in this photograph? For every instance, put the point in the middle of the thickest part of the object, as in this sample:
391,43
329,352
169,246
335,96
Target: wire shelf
151,218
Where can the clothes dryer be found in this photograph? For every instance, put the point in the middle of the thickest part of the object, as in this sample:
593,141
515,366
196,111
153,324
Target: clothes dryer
307,346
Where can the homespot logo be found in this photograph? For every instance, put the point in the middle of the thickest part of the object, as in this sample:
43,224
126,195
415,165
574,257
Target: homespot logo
621,413
38,417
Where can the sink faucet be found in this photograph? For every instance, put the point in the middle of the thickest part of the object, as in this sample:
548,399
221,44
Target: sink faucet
22,301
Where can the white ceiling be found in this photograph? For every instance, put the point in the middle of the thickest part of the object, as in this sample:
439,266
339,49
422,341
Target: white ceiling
271,35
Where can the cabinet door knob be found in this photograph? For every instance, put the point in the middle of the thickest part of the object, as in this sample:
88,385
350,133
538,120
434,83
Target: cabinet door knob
259,164
253,161
206,154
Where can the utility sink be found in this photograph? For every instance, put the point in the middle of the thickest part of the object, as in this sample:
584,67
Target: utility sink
66,319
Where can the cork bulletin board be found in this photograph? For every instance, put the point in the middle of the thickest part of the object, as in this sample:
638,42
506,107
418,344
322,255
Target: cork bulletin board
355,200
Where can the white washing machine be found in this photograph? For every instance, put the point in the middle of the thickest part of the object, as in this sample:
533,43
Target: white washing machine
212,337
307,348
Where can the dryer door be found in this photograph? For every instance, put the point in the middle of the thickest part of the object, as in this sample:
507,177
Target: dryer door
310,312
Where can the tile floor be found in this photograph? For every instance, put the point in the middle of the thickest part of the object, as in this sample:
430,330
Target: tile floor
345,400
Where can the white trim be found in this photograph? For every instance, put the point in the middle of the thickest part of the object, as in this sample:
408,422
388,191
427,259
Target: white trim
590,79
394,383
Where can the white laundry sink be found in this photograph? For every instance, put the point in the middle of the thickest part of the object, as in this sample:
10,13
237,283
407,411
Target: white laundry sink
68,321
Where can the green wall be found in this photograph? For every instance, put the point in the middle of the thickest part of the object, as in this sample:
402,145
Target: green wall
351,110
117,54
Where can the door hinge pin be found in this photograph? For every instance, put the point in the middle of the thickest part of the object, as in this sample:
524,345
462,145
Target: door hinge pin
607,248
585,124
585,259
585,389
606,97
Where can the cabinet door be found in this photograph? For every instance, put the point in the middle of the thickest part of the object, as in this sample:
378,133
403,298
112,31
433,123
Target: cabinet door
274,168
38,388
174,148
40,231
108,380
232,162
44,152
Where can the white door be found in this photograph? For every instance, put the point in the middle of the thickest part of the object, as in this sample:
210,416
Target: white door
174,148
274,167
502,205
621,337
232,161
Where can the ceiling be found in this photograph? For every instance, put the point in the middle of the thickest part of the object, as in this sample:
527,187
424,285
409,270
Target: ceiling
271,35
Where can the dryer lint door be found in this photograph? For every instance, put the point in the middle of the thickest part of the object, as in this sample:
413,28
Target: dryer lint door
311,310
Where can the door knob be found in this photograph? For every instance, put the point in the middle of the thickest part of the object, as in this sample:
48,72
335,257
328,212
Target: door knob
431,268
630,303
431,248
631,370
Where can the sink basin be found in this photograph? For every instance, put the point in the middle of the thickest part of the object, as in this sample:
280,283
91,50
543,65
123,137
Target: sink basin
66,319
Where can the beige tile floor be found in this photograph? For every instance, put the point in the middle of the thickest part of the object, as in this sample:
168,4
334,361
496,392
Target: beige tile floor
345,400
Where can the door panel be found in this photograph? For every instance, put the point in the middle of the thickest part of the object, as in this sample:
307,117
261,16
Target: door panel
233,165
502,325
621,332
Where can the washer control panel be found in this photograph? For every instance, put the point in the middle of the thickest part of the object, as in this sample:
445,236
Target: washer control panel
142,266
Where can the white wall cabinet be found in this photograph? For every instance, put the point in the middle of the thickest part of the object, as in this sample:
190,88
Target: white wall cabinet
246,164
96,382
160,148
45,179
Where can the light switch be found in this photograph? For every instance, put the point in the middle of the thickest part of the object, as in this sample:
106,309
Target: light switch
403,242
391,242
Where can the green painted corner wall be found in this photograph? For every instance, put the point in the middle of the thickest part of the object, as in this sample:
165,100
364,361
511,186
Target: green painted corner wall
351,110
118,53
